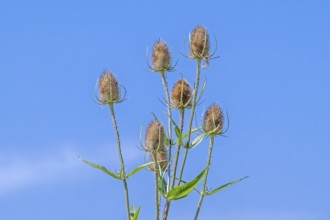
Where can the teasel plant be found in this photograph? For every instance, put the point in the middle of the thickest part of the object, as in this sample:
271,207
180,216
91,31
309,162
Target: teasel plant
159,142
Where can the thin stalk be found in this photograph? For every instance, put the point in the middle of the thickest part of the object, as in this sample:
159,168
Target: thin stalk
114,121
156,182
202,195
193,107
177,154
169,112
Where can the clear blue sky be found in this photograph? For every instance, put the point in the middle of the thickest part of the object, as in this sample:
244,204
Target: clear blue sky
272,77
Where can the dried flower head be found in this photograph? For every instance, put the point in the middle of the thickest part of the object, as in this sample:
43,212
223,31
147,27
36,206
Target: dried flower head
162,161
199,43
108,87
155,137
161,57
213,120
181,94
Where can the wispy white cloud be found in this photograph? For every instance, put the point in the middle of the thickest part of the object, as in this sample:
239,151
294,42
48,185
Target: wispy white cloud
17,172
20,172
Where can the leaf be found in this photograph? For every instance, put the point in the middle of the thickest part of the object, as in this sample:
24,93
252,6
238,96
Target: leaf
182,181
135,214
185,189
138,169
224,186
162,185
102,168
198,140
192,131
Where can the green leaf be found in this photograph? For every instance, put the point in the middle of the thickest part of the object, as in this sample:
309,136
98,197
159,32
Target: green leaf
102,168
185,189
138,169
135,214
198,140
192,131
153,114
162,185
225,186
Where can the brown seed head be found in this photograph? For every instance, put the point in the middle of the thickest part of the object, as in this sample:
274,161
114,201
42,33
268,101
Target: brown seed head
161,57
161,158
213,120
199,43
155,137
108,87
181,94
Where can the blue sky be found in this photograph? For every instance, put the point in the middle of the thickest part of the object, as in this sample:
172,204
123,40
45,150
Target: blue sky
272,77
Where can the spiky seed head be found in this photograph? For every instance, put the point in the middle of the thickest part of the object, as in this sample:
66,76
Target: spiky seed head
161,57
181,94
155,137
199,43
108,87
162,161
213,120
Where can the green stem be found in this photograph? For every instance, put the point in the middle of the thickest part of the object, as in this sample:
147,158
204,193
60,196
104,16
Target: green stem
154,154
193,107
205,178
177,154
169,112
121,159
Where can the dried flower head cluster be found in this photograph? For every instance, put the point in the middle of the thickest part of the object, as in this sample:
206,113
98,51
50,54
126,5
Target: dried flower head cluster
181,94
161,57
108,87
155,137
162,162
199,43
213,120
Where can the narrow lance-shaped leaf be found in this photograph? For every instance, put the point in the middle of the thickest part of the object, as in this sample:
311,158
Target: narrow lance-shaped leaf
182,181
177,130
138,169
102,168
162,185
135,214
192,131
198,140
185,189
225,186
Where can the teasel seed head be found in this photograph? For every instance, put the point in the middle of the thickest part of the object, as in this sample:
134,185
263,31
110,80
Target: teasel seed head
181,94
161,57
213,120
162,161
155,137
108,88
199,43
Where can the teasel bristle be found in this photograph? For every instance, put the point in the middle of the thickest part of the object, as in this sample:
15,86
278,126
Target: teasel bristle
181,94
199,43
162,161
213,119
108,88
155,137
161,57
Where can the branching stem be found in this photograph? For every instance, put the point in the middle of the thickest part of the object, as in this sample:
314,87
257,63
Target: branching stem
114,121
177,154
156,166
202,195
169,112
193,107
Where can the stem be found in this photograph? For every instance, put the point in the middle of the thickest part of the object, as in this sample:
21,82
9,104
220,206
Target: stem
156,182
177,154
168,100
198,72
121,159
205,178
